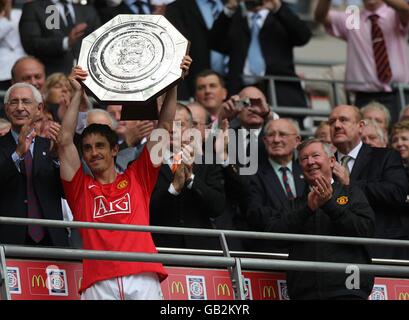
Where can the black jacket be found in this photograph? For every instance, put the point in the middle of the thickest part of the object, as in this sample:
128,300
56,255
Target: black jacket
266,191
192,208
46,43
13,191
348,214
281,32
380,174
186,16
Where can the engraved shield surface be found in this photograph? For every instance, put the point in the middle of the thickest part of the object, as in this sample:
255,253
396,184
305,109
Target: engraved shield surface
132,58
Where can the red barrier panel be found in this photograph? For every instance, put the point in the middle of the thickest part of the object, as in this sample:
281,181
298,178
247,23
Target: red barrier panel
58,280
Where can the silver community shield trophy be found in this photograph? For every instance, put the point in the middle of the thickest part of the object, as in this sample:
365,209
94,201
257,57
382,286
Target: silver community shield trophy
131,60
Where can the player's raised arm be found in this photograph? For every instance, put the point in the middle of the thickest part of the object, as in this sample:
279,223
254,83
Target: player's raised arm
67,152
168,110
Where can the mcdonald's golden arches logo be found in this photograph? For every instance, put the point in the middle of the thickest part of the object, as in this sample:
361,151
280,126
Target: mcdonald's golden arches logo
223,287
403,296
79,282
342,200
36,279
178,287
268,292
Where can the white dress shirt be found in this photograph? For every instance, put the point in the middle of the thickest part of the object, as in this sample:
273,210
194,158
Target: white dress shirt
10,44
353,154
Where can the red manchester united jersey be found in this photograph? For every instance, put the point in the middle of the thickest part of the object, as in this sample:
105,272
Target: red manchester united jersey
125,201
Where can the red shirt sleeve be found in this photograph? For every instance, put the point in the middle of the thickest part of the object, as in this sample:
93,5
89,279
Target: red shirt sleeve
144,171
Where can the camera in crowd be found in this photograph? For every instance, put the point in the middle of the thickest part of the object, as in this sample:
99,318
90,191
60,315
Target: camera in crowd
242,103
251,4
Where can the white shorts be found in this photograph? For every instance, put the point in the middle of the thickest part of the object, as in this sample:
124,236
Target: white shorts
143,286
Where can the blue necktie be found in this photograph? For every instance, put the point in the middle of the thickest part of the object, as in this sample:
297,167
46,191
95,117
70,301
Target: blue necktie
214,9
255,56
217,60
143,7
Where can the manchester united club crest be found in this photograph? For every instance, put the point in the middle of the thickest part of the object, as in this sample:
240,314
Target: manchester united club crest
122,184
343,200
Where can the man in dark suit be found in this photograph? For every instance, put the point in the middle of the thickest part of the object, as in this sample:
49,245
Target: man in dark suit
108,11
56,46
280,30
186,195
279,179
133,135
194,19
29,174
379,172
325,208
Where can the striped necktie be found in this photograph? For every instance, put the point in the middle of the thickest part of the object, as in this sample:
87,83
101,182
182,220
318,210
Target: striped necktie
287,187
176,162
383,67
143,7
68,17
344,162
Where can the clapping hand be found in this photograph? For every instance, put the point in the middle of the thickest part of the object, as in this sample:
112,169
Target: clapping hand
321,192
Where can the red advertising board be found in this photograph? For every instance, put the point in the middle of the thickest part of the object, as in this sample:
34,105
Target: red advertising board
58,280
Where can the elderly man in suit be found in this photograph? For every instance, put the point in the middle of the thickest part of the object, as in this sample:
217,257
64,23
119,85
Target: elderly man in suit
56,46
29,173
186,194
379,172
325,208
279,179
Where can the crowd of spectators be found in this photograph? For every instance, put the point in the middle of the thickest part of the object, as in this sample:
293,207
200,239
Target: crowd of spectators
352,179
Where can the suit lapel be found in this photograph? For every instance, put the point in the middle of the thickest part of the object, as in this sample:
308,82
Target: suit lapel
43,15
194,10
166,172
272,182
268,21
78,13
10,144
39,153
245,25
361,161
298,179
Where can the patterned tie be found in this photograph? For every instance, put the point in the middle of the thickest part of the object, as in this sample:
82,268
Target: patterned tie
254,55
214,9
344,162
288,191
141,7
383,67
67,13
37,233
176,162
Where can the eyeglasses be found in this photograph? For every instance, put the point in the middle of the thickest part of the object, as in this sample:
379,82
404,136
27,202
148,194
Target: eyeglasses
25,102
282,135
197,124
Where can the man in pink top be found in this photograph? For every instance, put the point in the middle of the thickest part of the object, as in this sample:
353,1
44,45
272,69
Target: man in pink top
112,197
377,54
